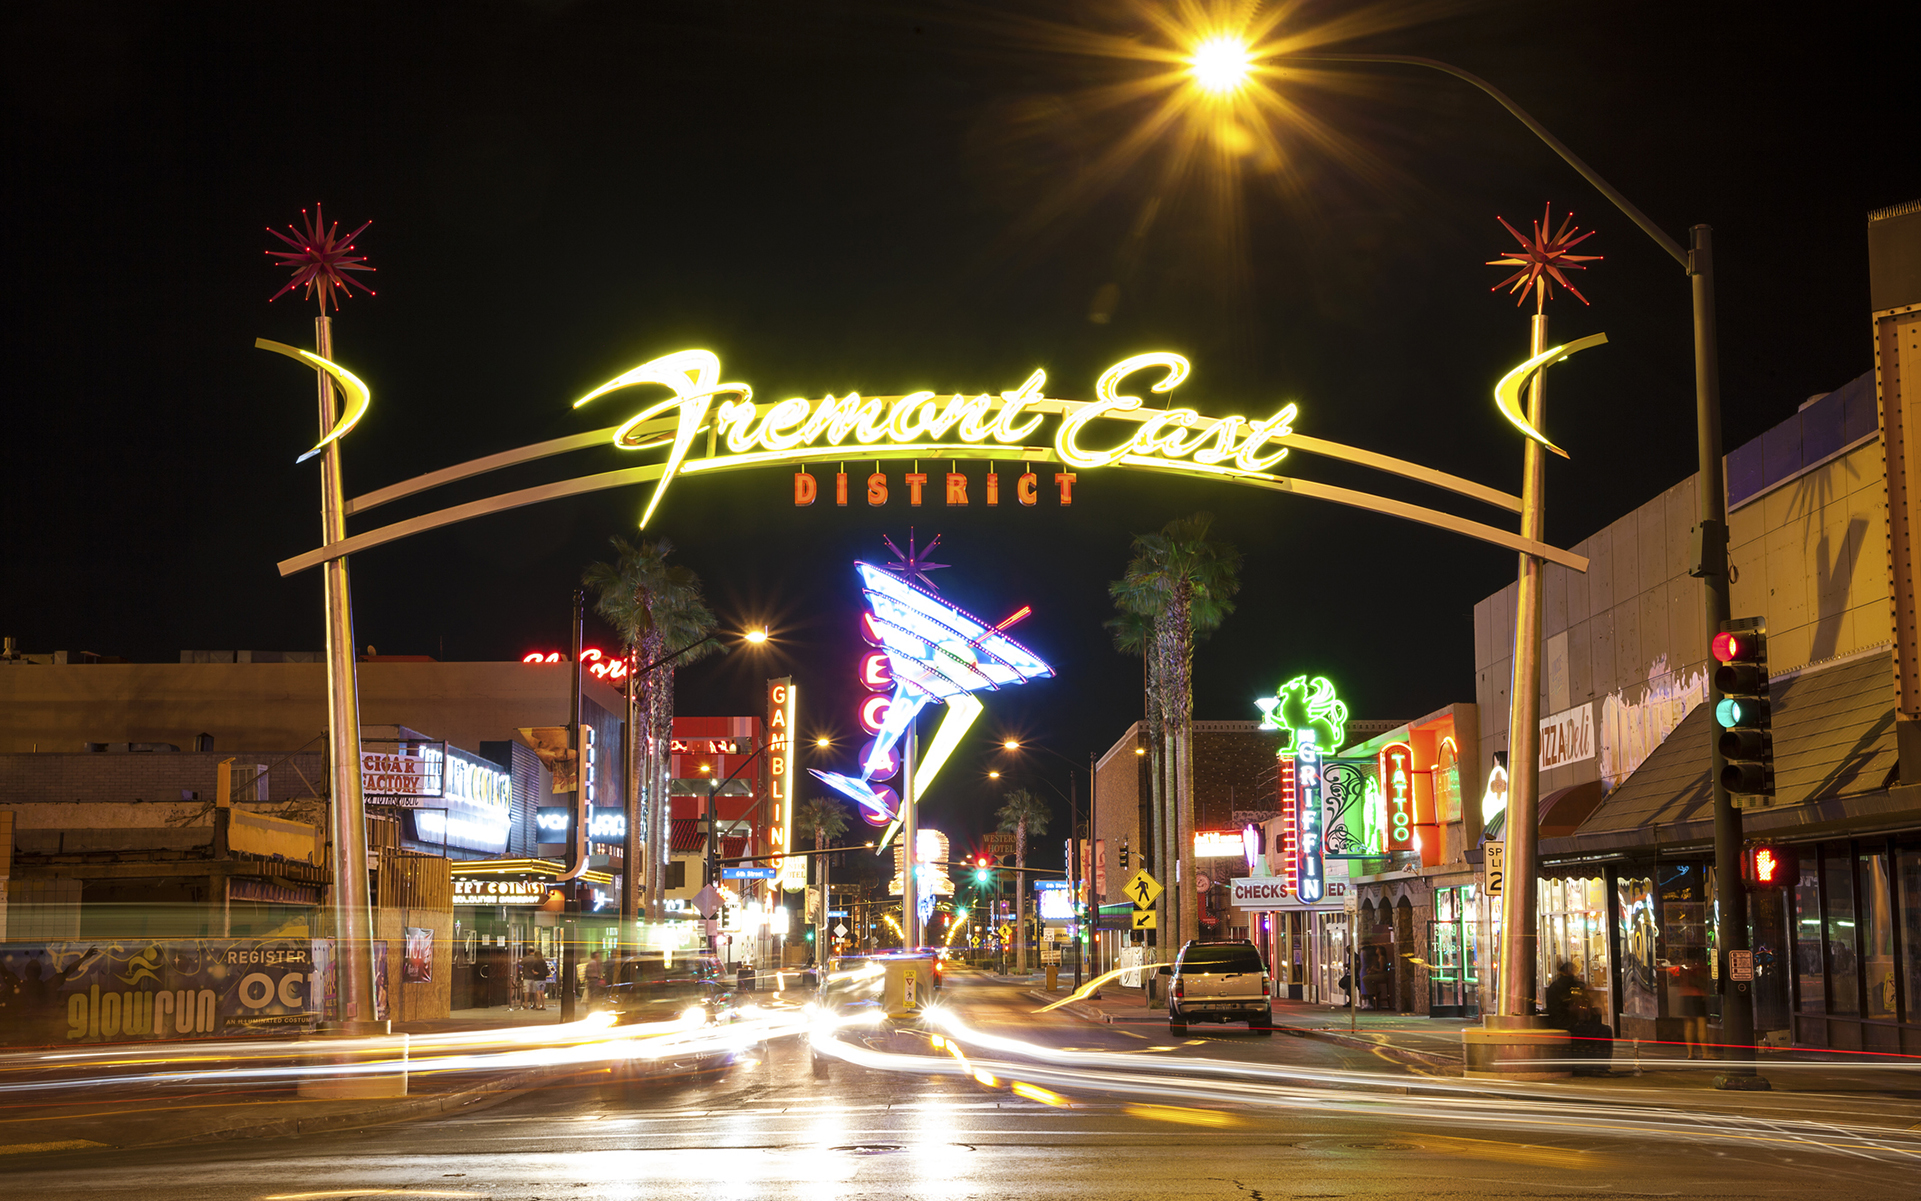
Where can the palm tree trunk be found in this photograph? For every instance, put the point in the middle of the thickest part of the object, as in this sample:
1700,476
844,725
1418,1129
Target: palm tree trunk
1156,850
633,867
1020,899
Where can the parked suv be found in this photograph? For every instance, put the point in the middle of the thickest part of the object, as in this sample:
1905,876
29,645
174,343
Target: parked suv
1219,982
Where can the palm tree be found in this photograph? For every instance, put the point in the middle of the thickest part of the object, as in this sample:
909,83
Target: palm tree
1185,581
1022,813
654,607
1136,634
828,820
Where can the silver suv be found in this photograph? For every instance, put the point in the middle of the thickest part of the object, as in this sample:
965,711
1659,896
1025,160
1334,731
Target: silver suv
1219,982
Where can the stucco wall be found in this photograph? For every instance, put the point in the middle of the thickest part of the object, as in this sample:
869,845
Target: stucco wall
1628,638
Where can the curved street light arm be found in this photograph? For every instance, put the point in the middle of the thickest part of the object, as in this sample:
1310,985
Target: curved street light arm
1540,131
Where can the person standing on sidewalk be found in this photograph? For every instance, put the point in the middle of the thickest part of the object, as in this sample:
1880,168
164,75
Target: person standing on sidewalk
534,973
596,971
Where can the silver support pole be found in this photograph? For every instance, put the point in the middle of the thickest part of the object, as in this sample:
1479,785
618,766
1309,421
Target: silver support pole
1519,937
910,842
353,916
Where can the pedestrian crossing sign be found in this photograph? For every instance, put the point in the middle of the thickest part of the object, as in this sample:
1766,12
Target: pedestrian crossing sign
1144,920
1142,889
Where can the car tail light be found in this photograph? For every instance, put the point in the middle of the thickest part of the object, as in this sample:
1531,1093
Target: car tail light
1180,989
1267,987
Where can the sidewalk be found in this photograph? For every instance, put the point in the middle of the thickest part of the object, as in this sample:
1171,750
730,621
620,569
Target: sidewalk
86,1118
1434,1045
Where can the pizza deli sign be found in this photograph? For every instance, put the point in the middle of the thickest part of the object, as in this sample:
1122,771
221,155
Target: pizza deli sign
1567,737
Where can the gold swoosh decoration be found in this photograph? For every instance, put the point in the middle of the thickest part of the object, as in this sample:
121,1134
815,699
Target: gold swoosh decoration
1507,393
359,396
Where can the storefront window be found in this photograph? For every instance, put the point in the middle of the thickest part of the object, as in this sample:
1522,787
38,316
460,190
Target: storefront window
1843,973
1877,933
1573,924
1640,950
1807,937
1683,889
1911,928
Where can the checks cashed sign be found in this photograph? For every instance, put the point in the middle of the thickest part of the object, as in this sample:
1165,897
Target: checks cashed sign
1261,892
1567,737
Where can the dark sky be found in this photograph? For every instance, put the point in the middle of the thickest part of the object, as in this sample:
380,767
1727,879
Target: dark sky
839,196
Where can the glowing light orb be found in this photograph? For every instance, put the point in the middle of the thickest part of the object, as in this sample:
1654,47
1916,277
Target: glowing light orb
1220,65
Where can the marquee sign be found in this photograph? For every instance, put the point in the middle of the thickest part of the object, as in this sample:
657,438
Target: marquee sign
706,426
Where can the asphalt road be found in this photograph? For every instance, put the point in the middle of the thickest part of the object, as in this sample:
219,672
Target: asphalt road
773,1129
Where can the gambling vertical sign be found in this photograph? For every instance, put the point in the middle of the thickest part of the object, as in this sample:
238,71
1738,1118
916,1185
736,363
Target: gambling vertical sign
781,706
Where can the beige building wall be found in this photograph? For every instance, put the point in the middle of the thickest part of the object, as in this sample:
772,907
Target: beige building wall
275,706
1627,639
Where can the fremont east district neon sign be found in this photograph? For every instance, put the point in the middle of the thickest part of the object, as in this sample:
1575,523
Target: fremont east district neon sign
705,425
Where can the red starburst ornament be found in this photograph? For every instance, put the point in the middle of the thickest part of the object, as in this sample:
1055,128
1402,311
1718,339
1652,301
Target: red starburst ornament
1542,259
319,258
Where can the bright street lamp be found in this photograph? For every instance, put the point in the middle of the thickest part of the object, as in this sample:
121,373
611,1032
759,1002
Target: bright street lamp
1220,65
1696,259
755,636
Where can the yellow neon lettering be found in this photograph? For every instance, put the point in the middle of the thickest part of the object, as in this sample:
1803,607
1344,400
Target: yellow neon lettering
1279,425
692,376
1151,438
1011,405
735,420
775,428
904,423
1223,432
977,419
1068,448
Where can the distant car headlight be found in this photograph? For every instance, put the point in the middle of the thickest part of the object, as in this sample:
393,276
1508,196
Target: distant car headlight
694,1015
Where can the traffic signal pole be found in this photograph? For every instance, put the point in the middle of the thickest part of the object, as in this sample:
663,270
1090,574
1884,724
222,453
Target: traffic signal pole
1711,567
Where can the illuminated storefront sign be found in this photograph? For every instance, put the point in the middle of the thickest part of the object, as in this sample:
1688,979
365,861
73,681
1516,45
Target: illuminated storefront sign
411,770
470,891
479,806
1056,900
600,665
1396,767
1309,882
1217,844
782,701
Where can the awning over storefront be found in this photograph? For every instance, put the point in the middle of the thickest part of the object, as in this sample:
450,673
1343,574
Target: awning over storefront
1834,756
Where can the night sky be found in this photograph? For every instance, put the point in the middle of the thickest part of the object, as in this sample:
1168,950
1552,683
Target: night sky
836,196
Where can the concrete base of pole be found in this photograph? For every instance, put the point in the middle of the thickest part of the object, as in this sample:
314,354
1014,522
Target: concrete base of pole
1743,1083
1511,1048
338,1055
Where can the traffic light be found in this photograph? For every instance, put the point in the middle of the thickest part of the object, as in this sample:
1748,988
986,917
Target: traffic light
1770,865
1123,855
1743,714
983,870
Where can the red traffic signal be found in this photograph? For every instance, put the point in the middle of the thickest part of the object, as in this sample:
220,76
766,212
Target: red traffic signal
1770,865
1731,646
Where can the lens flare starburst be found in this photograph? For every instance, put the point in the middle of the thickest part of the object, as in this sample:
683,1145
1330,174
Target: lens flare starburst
320,257
1220,65
1543,259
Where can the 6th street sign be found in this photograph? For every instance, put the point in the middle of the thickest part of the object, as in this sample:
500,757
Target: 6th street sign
1143,890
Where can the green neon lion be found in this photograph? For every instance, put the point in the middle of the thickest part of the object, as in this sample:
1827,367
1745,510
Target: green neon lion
1311,705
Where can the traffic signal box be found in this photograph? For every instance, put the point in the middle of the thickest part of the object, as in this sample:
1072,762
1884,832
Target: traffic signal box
1770,865
1744,712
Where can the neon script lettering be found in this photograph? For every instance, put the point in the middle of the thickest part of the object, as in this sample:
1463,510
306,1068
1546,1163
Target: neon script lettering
743,434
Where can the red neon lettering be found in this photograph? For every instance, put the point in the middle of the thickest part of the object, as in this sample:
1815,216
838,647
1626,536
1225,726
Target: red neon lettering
915,481
1066,481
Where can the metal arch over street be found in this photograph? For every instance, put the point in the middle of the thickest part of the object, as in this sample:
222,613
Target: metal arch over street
741,435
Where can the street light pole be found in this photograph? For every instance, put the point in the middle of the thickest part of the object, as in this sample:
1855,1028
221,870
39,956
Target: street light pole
1709,564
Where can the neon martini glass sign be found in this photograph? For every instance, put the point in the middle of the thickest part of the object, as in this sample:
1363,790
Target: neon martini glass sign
935,652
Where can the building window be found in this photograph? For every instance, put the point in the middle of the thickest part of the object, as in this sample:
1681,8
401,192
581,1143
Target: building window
1844,977
1876,925
1910,861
